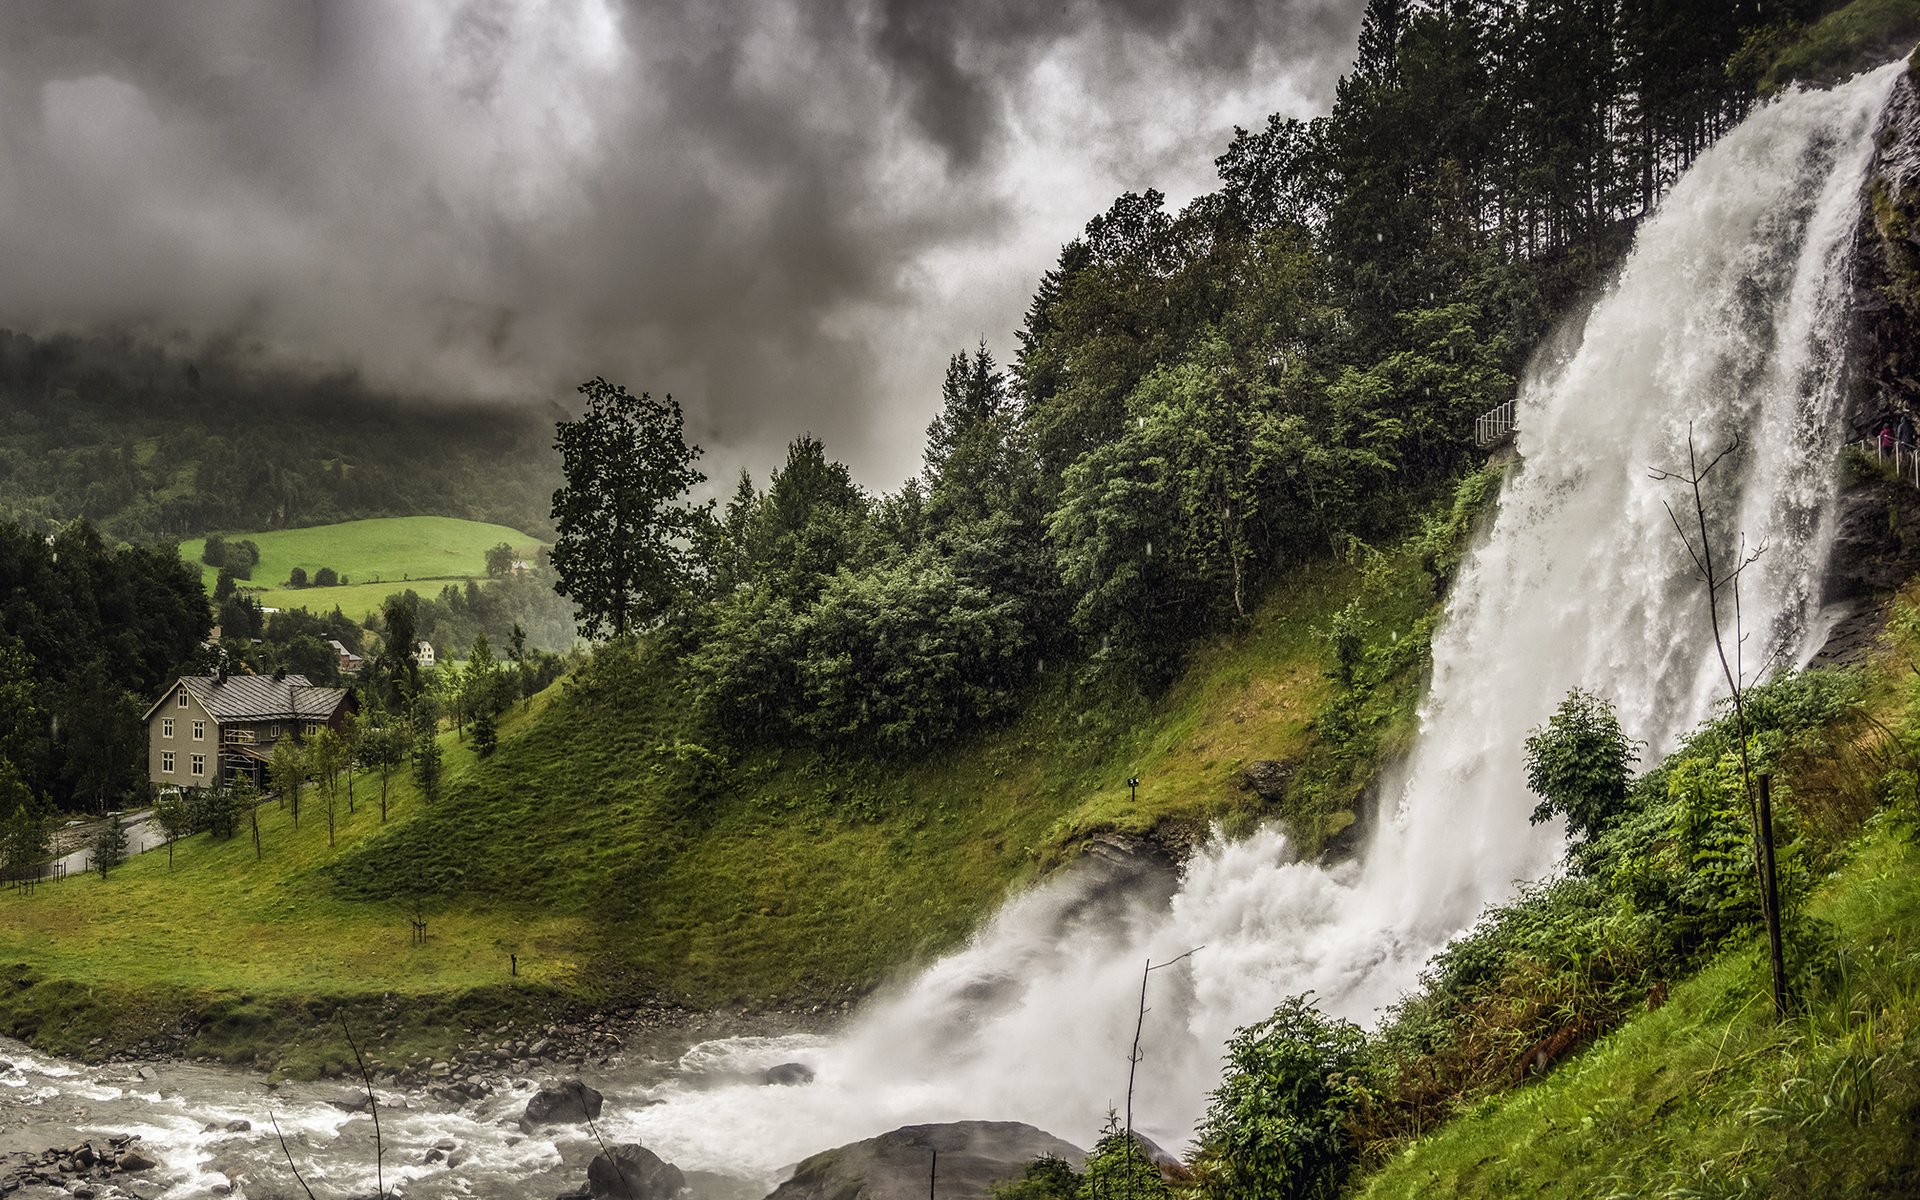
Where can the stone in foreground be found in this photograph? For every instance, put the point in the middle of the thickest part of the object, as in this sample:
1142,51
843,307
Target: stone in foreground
973,1156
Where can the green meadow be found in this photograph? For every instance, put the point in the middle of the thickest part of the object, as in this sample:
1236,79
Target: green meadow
377,557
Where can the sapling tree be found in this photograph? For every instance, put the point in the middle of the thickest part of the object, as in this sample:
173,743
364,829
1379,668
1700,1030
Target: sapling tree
110,846
327,755
288,774
175,814
1721,580
426,746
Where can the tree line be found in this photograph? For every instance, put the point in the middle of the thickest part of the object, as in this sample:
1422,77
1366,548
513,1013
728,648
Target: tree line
147,447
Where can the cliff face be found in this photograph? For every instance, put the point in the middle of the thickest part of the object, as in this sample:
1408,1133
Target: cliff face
1887,288
1877,543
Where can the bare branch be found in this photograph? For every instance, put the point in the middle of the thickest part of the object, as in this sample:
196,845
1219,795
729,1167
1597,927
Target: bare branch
373,1105
298,1178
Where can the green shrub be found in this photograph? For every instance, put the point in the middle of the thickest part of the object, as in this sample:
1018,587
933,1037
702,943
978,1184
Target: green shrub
1579,764
1278,1125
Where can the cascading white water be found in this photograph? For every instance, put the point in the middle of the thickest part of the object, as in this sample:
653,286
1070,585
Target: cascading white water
1727,319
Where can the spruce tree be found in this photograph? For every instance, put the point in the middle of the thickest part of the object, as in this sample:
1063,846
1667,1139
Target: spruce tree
110,846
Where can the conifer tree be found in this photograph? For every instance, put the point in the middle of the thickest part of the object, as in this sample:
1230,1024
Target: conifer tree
110,846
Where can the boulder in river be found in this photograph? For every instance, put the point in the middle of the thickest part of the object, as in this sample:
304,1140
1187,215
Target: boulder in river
630,1171
568,1103
973,1156
789,1074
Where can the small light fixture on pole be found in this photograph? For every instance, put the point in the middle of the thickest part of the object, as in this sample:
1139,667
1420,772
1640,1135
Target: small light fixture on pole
1133,788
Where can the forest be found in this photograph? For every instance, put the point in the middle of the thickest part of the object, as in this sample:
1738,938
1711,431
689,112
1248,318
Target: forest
149,447
1199,400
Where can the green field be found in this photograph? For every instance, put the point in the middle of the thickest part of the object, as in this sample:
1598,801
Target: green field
378,558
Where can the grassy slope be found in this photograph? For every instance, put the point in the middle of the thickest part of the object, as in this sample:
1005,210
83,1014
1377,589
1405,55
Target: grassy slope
1708,1096
1852,37
801,876
380,556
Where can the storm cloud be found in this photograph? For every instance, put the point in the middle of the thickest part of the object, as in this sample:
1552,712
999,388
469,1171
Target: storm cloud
786,213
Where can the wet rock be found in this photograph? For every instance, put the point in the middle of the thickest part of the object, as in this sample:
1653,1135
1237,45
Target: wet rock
567,1103
1267,779
348,1100
241,1125
789,1074
1167,1163
630,1171
134,1160
974,1155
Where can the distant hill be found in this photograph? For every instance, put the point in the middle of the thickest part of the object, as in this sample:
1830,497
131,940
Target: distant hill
150,446
375,558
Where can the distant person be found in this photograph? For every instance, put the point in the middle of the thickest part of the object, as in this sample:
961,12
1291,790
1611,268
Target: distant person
1886,440
1903,434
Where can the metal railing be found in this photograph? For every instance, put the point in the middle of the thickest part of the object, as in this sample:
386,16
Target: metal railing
1494,426
1902,459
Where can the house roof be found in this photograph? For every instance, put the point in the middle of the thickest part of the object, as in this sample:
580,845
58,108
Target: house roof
259,697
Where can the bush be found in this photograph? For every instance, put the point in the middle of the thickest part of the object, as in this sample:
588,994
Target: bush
1579,764
326,577
1278,1125
297,577
1118,1169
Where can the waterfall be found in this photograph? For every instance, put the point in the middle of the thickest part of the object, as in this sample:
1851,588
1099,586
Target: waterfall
1726,319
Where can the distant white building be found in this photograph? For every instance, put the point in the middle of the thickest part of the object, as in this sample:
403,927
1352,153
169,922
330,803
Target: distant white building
423,654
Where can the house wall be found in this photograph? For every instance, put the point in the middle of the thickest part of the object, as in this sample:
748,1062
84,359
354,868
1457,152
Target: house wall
182,744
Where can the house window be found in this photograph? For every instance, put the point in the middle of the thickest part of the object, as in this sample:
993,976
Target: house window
273,730
181,699
199,731
313,727
166,762
199,764
166,727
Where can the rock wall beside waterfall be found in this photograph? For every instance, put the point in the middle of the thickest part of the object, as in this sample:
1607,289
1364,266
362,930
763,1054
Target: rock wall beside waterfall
1876,546
1887,271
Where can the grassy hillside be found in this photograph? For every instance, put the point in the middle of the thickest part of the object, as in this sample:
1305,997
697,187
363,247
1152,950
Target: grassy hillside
618,859
1710,1096
378,557
1851,37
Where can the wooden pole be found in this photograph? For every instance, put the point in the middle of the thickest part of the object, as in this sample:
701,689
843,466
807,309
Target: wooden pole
1770,898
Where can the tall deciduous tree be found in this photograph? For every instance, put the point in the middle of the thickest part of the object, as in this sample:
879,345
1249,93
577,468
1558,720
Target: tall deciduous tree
623,517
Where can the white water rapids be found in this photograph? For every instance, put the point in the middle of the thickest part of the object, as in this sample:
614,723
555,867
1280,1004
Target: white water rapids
1729,317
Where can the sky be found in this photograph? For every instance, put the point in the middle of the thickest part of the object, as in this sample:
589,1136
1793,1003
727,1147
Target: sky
789,214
